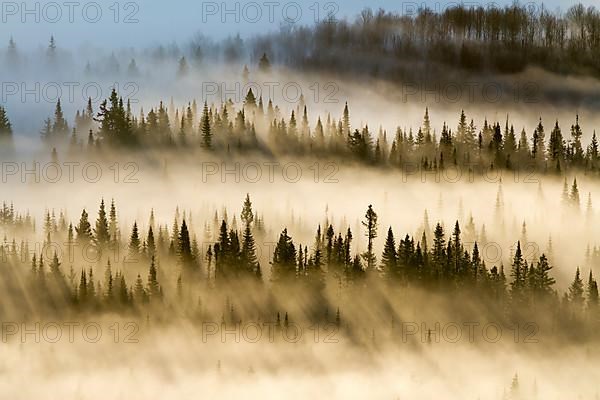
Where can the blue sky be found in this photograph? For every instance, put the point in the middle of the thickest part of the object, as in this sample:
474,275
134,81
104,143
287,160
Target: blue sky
125,23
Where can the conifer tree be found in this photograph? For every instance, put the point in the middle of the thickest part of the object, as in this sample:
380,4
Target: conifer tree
517,286
370,223
101,232
83,288
346,121
574,196
184,249
576,291
150,243
84,229
140,294
55,271
205,128
284,259
577,148
112,224
264,65
389,258
153,286
250,100
5,128
248,251
593,149
51,51
543,282
108,283
592,296
134,243
60,128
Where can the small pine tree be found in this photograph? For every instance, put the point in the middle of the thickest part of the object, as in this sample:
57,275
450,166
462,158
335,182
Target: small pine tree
389,258
205,128
134,243
576,291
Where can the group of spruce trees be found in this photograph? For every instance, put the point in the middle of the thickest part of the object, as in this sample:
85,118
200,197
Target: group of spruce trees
225,129
439,264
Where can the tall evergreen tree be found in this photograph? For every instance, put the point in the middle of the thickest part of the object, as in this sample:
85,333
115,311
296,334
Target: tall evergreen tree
84,229
576,291
101,232
248,251
134,243
284,259
5,129
184,249
517,286
205,128
389,258
370,223
153,286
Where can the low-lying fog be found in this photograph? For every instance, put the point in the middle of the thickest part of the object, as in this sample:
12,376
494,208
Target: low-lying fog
139,357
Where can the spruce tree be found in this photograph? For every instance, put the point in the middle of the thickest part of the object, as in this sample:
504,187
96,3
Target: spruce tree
60,127
5,126
264,65
250,99
184,249
84,229
389,258
576,291
544,282
248,257
150,242
134,243
153,286
574,196
205,128
284,259
112,224
370,223
592,295
140,294
108,283
517,286
101,232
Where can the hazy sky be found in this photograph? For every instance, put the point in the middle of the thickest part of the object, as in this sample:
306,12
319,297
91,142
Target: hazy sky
125,23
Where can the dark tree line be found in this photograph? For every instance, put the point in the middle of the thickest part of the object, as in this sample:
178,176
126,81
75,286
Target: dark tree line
227,129
154,268
388,45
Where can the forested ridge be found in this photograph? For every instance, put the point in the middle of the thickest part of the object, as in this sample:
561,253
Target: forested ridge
259,129
389,44
415,43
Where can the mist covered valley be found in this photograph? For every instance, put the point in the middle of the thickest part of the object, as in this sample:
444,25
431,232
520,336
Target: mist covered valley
240,218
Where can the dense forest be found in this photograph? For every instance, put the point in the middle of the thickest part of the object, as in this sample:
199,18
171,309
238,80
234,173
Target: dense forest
228,273
175,224
389,45
416,44
260,129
